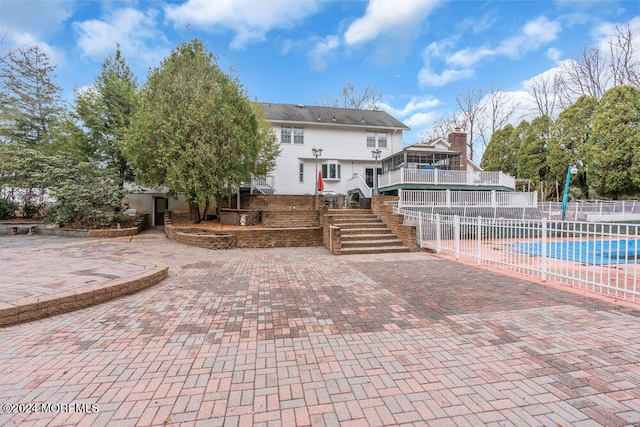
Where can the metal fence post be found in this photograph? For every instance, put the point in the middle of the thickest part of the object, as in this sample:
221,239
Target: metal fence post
456,236
420,228
479,238
544,250
438,237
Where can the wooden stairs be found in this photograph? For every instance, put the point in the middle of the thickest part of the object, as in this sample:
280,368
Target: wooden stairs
362,232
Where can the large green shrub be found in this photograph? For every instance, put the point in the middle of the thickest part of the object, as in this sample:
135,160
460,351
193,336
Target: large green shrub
86,195
7,209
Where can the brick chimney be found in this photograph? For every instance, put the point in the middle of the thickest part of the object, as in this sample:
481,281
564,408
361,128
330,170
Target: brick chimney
458,142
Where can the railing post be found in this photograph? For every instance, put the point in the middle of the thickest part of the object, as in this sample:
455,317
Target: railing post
400,199
479,238
435,175
438,237
469,178
448,198
493,198
544,250
419,228
456,236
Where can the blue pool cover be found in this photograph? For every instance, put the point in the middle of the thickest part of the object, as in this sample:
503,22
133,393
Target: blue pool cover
592,252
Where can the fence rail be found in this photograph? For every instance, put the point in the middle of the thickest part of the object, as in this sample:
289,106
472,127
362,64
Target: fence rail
594,210
596,257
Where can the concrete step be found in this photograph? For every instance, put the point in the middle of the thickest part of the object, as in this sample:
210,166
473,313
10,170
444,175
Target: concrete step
376,236
374,250
367,230
348,211
361,225
371,243
341,222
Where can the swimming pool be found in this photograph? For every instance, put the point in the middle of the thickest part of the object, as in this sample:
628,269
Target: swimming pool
591,252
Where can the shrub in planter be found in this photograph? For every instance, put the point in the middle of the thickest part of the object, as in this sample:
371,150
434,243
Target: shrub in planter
7,209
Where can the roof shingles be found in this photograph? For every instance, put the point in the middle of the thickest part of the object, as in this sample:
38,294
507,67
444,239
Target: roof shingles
330,115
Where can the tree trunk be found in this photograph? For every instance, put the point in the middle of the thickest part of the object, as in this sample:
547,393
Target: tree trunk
194,213
206,209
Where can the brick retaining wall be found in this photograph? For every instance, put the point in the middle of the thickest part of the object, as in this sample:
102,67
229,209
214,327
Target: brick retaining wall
250,237
207,241
50,305
406,233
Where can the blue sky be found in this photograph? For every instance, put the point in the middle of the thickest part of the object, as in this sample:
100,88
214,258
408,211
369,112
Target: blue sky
421,54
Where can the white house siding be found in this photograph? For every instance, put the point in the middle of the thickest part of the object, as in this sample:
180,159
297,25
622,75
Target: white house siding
346,145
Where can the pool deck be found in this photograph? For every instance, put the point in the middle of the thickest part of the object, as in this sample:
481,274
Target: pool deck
296,336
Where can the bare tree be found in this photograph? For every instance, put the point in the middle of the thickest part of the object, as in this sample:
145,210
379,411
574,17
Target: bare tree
499,111
366,98
586,74
625,67
543,88
472,108
443,127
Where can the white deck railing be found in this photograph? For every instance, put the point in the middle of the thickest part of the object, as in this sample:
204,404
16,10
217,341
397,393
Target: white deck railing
457,198
356,182
446,177
263,184
595,257
594,210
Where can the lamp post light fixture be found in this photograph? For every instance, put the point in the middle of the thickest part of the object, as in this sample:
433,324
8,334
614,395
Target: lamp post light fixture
571,170
317,152
376,155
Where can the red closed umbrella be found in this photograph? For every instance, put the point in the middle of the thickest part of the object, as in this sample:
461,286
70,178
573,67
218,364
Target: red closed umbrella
320,183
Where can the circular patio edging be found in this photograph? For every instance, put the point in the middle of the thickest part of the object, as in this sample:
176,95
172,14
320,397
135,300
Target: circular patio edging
38,308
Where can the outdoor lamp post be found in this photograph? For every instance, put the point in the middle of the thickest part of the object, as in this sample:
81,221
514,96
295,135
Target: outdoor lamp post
376,155
317,152
571,170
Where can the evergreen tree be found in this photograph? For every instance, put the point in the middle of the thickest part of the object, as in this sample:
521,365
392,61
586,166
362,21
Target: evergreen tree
615,143
195,130
532,153
570,135
500,154
31,105
105,111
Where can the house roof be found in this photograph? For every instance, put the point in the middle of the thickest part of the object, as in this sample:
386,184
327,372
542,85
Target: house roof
298,113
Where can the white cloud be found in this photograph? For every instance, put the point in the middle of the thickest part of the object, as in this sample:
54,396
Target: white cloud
534,34
384,16
36,18
250,20
437,50
16,39
318,55
422,120
554,54
133,30
427,77
415,104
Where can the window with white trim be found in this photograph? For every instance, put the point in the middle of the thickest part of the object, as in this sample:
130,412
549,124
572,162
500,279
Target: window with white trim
298,135
382,140
371,139
376,139
285,135
331,170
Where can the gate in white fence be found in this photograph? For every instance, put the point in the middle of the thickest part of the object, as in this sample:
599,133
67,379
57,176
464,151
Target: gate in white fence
596,257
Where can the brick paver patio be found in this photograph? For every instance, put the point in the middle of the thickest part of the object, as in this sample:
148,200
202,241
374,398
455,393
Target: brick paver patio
298,337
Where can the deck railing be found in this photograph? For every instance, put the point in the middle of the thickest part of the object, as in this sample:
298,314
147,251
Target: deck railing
445,177
595,257
456,198
356,182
